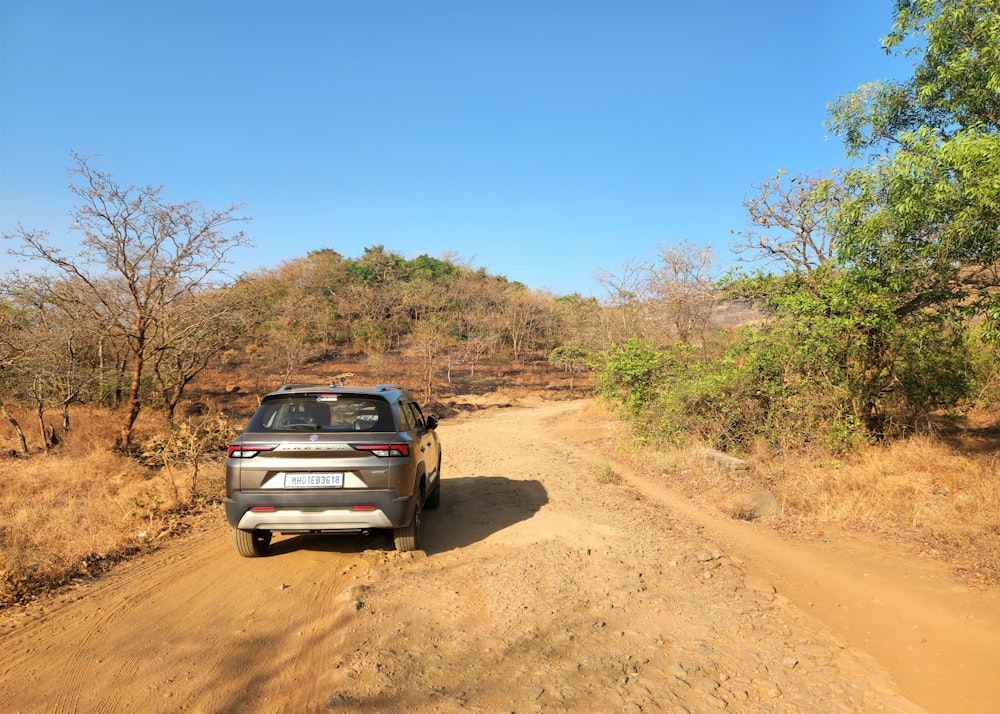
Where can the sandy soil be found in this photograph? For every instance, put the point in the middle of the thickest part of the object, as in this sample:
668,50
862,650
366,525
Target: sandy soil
541,589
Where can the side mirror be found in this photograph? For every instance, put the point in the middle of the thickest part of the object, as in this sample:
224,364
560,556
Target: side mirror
432,422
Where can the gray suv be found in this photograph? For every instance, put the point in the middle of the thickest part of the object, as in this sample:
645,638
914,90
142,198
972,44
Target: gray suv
332,459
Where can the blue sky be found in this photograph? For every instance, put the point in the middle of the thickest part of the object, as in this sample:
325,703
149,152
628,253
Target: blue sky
542,140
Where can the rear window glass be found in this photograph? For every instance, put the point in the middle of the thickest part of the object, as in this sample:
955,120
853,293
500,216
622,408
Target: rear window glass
323,413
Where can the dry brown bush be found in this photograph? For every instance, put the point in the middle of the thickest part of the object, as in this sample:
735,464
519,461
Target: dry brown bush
72,512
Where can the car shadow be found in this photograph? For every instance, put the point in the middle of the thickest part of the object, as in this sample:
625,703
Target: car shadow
472,509
330,543
475,507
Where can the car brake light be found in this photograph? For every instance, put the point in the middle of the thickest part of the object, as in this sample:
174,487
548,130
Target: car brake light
246,452
384,449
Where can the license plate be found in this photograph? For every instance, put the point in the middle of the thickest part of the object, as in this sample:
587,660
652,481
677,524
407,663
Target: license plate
314,480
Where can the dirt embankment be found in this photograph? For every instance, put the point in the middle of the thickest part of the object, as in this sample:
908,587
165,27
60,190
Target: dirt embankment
542,589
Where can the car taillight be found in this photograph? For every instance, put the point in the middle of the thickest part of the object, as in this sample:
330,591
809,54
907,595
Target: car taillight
246,452
384,449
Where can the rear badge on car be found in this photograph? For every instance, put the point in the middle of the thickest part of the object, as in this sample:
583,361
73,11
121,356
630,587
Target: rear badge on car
314,437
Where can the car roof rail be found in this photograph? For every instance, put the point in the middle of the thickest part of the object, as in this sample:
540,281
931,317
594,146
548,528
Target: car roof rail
287,387
387,387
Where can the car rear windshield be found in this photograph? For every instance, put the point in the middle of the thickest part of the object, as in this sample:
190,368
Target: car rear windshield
327,412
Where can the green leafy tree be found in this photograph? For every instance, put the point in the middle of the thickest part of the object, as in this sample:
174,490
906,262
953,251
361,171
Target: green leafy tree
833,366
922,216
848,359
570,357
866,339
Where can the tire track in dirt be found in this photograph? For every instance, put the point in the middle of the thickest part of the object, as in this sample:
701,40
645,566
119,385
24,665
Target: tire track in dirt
191,626
76,645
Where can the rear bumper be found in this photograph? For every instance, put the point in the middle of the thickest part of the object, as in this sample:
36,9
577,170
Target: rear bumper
309,513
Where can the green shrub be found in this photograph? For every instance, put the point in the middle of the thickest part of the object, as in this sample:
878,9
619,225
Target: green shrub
839,363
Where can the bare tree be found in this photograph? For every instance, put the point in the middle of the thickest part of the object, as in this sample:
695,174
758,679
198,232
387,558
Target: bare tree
281,314
790,220
431,336
680,289
478,323
140,256
60,358
198,328
63,349
626,293
523,314
426,303
13,353
371,308
309,286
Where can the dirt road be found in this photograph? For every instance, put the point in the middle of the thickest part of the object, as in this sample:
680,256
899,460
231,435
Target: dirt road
542,589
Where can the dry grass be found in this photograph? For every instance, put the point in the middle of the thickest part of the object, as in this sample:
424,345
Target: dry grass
939,495
73,512
607,476
942,500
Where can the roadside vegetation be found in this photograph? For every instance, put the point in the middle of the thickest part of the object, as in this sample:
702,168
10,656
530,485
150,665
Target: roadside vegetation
858,375
882,324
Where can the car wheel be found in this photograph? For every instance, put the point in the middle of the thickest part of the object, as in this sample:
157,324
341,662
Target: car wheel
408,537
251,544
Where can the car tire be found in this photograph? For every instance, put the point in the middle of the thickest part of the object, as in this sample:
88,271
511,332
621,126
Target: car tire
251,544
408,537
